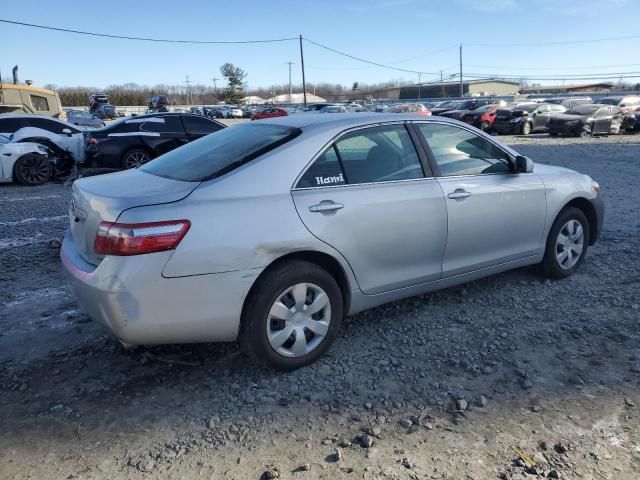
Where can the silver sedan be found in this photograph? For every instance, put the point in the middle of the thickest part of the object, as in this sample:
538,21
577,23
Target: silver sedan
271,232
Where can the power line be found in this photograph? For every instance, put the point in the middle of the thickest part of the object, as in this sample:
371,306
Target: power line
545,44
603,76
556,68
367,61
146,39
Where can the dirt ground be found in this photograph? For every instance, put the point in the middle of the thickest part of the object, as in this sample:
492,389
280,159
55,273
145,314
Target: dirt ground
509,377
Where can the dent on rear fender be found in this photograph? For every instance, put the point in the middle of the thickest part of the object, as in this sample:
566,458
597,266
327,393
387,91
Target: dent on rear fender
124,304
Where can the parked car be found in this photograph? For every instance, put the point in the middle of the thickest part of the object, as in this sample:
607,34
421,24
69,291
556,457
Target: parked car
83,118
627,103
64,140
591,119
481,117
633,122
230,111
27,163
249,111
568,102
184,248
525,119
318,106
131,142
445,107
464,107
106,111
332,109
269,112
158,103
416,108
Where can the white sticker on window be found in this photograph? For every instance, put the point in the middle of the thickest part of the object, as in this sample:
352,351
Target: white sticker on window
330,180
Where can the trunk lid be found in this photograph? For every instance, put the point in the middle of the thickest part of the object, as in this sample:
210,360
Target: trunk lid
105,197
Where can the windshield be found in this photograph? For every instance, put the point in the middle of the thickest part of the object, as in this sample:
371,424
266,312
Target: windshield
219,152
610,101
485,109
465,105
81,114
584,110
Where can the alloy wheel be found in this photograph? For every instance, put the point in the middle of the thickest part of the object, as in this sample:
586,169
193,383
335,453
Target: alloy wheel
569,244
34,170
298,320
136,159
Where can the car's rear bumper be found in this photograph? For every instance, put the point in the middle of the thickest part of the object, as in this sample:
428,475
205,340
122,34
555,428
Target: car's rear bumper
131,299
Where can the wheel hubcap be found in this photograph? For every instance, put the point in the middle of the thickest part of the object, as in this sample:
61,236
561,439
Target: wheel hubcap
569,244
298,320
136,159
34,170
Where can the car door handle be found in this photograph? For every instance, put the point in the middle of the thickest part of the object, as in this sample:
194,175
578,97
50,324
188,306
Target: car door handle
459,193
326,207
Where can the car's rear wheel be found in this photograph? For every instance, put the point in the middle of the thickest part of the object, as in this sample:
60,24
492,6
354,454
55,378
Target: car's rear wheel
526,128
567,243
292,315
32,169
135,158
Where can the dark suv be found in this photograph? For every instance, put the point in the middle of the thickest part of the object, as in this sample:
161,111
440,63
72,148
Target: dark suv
465,107
131,142
105,111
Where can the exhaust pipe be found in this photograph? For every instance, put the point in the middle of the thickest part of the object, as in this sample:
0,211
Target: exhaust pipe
15,75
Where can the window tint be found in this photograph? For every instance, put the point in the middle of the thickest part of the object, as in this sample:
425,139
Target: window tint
379,154
219,153
199,125
326,170
460,152
11,125
40,104
166,124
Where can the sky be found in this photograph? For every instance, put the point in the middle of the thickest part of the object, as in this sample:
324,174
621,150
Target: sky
419,35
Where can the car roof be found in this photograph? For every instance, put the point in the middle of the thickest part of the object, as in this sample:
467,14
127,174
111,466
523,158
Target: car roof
345,120
30,115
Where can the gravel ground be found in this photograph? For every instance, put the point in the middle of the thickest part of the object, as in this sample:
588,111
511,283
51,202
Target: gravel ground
509,377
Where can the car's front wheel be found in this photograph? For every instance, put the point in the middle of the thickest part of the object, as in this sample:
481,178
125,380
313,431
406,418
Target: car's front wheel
292,315
32,169
567,243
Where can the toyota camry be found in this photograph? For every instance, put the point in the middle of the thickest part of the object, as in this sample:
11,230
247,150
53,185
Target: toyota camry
271,232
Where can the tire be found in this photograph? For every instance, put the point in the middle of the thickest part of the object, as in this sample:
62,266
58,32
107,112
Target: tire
564,224
32,169
260,323
526,128
134,158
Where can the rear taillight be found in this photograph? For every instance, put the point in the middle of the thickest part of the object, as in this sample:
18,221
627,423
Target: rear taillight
91,141
139,238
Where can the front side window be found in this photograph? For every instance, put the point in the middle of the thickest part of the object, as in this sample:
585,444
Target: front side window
200,125
461,152
379,154
219,153
603,112
50,125
40,104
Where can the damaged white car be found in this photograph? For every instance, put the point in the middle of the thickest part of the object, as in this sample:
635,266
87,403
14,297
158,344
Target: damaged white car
27,163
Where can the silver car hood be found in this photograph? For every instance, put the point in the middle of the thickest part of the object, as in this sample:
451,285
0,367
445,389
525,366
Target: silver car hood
105,197
543,169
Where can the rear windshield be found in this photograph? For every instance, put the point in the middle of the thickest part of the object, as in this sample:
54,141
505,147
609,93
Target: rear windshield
220,152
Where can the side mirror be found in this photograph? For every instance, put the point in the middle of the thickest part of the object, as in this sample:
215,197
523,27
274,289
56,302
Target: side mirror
66,131
524,164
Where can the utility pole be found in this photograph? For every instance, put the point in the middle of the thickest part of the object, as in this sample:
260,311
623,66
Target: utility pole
215,86
441,85
461,84
187,82
419,77
304,84
290,92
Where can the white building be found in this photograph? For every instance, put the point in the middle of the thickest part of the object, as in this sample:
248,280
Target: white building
295,98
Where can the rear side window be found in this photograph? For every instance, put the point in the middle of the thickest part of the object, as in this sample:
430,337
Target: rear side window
221,152
325,171
379,154
199,125
168,124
